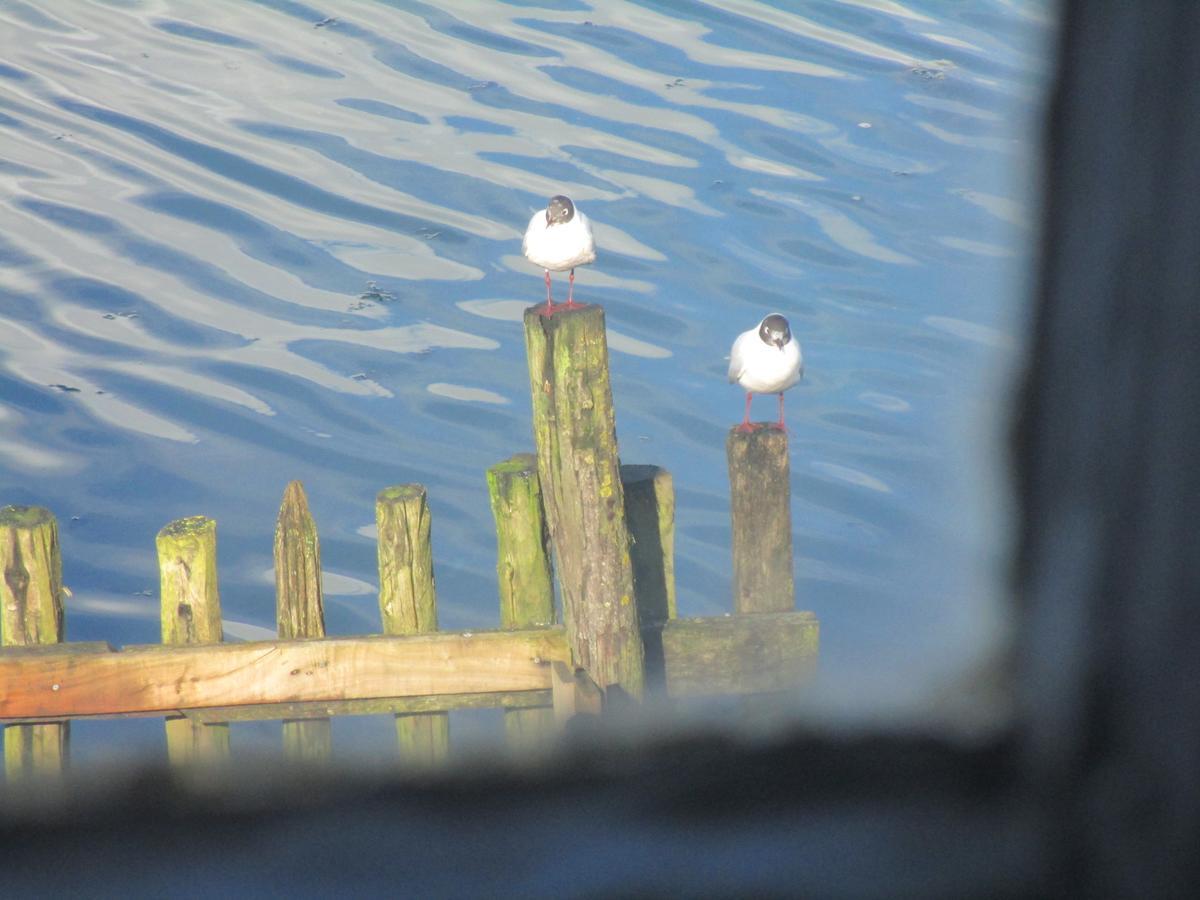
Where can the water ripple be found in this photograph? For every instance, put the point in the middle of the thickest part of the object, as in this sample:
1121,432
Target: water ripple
248,238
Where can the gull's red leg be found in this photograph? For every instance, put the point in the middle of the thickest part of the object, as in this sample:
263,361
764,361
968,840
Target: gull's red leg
549,303
571,304
746,426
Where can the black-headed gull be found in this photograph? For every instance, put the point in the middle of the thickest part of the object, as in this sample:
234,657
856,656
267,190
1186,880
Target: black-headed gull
559,238
766,360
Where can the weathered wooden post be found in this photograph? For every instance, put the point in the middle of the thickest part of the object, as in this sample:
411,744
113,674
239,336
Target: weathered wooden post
761,509
191,614
300,610
31,612
575,432
523,572
408,603
650,514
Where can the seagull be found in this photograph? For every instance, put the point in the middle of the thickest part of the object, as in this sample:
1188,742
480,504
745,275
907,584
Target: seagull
559,238
766,360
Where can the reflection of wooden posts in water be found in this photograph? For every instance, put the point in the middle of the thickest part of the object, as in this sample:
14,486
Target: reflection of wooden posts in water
408,603
575,432
300,609
190,608
31,613
761,512
523,572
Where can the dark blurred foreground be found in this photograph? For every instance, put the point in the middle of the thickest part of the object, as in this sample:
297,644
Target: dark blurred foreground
1093,791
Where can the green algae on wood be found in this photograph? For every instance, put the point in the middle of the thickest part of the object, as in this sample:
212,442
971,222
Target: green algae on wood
575,433
650,514
190,608
522,543
761,514
523,572
408,603
31,612
300,610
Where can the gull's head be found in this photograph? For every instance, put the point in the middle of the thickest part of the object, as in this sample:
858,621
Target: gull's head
774,330
560,209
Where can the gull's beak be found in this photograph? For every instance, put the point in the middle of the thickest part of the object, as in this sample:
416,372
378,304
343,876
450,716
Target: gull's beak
779,342
547,217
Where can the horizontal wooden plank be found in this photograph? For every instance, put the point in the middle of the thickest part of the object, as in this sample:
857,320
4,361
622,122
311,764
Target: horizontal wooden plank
394,705
749,653
255,712
57,649
162,679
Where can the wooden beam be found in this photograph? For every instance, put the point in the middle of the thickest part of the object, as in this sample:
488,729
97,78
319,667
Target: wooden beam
31,613
408,603
190,608
760,506
300,610
743,654
576,436
523,572
265,712
164,679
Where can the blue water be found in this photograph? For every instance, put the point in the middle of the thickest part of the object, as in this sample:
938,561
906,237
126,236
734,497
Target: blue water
247,243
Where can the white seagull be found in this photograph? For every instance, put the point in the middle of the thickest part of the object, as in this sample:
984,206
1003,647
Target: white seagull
766,360
559,238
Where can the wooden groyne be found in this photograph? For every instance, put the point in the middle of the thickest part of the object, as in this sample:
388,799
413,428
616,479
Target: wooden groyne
570,510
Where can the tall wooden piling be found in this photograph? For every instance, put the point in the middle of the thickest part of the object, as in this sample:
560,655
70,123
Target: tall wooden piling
575,432
760,504
650,514
523,572
300,610
190,607
408,603
31,612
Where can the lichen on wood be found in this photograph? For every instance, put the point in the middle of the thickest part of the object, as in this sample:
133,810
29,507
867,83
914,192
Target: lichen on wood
523,572
31,612
187,565
300,609
299,603
575,432
408,603
190,609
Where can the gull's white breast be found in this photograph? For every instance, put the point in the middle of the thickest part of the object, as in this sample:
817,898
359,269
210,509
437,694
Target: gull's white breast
559,247
764,368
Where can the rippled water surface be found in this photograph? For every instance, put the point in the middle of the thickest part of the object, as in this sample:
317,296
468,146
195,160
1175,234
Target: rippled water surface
242,243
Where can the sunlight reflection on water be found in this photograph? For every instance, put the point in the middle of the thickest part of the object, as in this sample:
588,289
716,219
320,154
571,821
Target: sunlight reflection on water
239,248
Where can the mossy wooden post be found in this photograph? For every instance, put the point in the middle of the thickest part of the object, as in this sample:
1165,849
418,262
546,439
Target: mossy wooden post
523,572
408,603
300,610
191,614
761,510
576,436
650,512
31,612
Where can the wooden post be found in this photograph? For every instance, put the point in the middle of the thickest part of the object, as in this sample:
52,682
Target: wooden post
299,610
760,504
523,572
573,693
408,603
191,614
650,512
575,432
31,612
